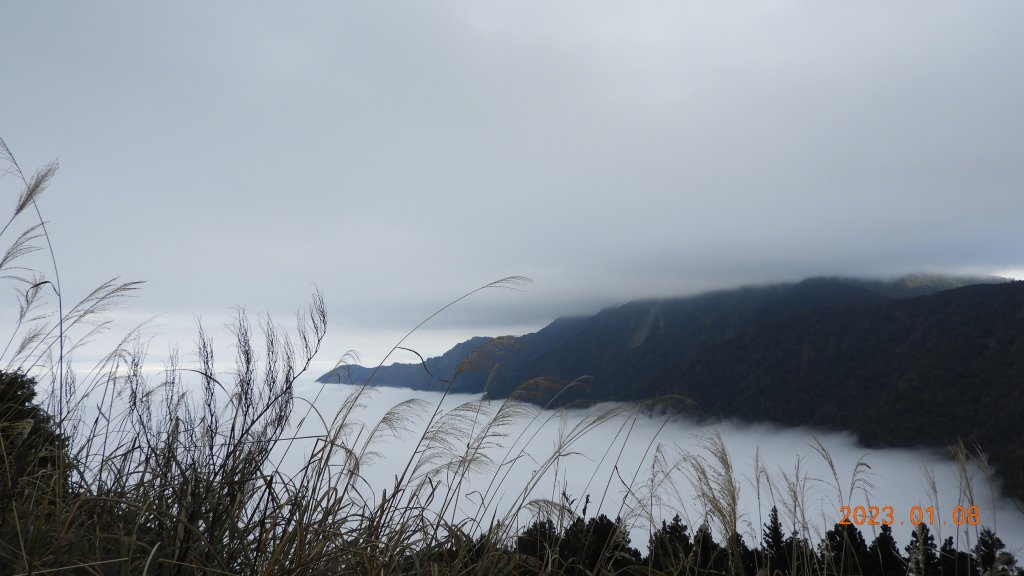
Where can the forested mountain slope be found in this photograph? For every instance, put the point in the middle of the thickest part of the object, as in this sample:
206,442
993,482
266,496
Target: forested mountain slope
898,363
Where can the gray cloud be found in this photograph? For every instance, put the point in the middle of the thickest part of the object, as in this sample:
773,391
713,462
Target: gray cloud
399,156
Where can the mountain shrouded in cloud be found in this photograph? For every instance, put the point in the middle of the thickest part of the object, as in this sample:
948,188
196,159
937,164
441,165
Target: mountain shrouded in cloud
920,361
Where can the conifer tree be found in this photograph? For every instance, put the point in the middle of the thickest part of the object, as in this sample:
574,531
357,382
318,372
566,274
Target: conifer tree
987,550
773,543
844,550
669,547
923,556
885,558
953,562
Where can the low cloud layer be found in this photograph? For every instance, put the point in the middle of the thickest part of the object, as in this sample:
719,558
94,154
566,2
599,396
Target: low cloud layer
612,462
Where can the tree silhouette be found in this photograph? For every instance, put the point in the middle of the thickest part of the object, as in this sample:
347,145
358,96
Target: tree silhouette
708,555
773,543
924,558
844,550
30,445
987,550
953,562
669,548
885,558
599,542
539,540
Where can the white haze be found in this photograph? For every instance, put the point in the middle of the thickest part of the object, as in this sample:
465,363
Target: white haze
611,457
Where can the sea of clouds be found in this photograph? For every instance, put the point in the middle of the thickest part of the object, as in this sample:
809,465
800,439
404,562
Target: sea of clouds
640,466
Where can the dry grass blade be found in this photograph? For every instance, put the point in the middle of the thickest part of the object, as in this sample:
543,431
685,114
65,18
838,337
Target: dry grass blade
22,246
36,186
398,420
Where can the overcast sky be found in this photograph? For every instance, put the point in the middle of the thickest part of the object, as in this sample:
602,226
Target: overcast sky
399,154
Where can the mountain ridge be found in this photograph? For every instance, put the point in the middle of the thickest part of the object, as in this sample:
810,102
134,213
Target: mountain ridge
914,361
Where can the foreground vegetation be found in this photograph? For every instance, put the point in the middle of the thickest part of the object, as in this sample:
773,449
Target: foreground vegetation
117,471
174,490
